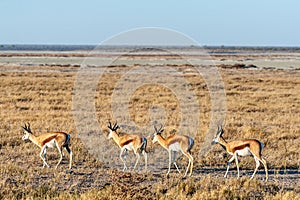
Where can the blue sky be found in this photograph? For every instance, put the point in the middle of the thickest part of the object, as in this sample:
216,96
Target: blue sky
210,22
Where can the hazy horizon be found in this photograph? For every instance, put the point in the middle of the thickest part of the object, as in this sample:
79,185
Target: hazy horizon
3,45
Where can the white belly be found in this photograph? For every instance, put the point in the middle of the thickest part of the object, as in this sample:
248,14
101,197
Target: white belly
244,152
175,147
51,144
129,147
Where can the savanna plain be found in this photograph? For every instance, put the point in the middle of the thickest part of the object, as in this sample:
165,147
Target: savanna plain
262,102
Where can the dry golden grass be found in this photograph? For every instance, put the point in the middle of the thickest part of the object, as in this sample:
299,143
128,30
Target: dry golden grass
262,104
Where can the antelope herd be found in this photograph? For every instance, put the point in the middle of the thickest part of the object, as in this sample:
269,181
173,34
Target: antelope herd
173,144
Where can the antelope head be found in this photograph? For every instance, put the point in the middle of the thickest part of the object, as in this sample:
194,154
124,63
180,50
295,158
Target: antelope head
157,132
27,132
219,134
112,129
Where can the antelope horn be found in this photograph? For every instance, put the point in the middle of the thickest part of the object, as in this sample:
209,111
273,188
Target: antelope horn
116,126
109,125
155,129
160,129
220,129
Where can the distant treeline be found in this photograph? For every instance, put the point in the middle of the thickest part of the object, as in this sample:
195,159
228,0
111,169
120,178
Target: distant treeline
258,49
41,47
211,49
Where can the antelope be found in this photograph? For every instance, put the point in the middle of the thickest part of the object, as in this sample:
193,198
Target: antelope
248,147
175,143
128,142
59,140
